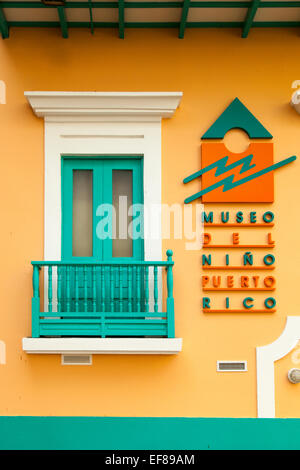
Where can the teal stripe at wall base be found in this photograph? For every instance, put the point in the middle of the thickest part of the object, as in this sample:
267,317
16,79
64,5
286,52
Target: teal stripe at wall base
99,433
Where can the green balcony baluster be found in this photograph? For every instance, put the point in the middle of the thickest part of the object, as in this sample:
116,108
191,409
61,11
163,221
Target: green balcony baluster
155,290
170,299
116,277
103,288
85,288
112,289
35,303
102,275
50,289
138,289
76,290
129,275
134,284
94,289
146,289
121,288
58,288
68,288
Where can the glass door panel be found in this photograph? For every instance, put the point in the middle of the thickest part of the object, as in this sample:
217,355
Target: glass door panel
82,236
122,201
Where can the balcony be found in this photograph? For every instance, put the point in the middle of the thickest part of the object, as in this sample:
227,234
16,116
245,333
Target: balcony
103,307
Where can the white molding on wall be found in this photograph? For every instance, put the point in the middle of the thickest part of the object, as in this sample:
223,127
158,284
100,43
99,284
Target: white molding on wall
265,358
102,345
94,123
54,105
295,101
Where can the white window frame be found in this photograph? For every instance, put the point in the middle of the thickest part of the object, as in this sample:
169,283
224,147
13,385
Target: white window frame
102,123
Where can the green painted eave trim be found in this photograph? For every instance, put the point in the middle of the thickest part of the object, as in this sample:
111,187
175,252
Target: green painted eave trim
104,433
185,5
63,22
210,24
250,17
4,28
121,19
162,4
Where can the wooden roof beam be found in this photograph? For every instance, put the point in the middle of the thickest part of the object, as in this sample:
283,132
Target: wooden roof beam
250,17
63,22
121,20
91,16
184,14
3,25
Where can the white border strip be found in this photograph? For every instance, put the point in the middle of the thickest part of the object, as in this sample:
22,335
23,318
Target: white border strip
73,119
265,358
54,105
102,345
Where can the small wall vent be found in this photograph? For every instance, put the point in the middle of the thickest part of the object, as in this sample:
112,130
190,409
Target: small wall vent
231,366
76,359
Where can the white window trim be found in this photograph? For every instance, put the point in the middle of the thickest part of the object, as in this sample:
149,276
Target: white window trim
102,123
265,358
95,123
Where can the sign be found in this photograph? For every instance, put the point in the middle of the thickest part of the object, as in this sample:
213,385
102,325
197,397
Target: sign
231,177
228,177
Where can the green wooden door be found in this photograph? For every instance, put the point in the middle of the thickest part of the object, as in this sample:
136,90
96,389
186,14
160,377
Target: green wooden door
102,219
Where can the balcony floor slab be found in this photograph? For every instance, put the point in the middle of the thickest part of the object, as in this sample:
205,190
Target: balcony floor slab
102,345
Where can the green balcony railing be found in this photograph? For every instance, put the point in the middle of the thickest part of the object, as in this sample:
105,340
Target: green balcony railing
103,299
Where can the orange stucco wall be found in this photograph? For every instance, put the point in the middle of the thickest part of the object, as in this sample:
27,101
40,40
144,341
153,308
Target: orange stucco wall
211,67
